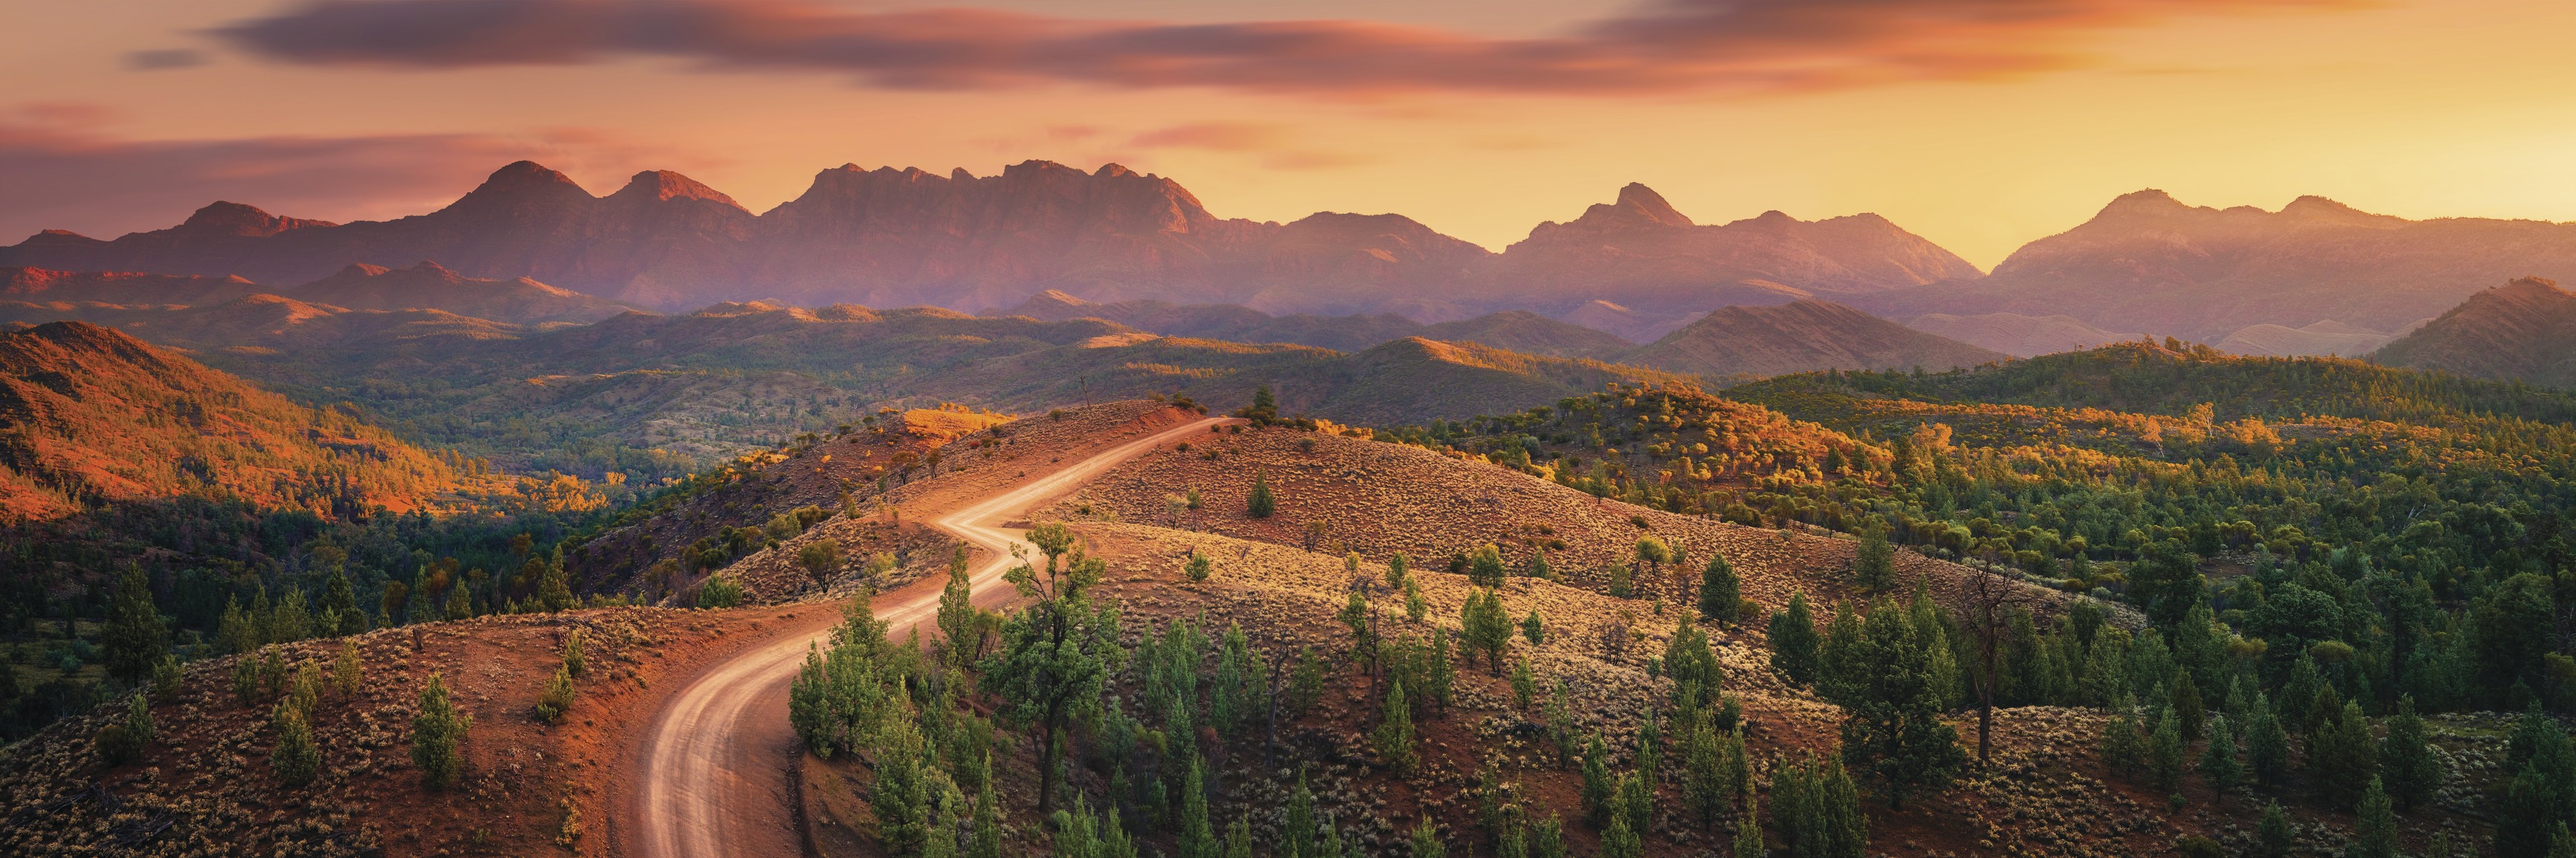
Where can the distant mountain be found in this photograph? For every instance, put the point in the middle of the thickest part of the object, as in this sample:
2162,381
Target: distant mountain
2018,335
2148,262
430,286
1515,330
2523,330
887,237
119,287
2326,338
91,416
1625,323
1798,337
1641,254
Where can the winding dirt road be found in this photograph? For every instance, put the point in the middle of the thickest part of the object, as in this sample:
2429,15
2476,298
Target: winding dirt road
712,777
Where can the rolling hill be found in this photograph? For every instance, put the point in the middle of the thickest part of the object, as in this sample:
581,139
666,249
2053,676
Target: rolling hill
430,286
1515,330
2018,335
90,416
1801,336
119,287
2523,330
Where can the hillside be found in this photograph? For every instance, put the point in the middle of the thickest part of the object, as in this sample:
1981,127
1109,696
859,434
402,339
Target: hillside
1513,330
2148,262
2018,335
2524,330
1800,336
257,321
889,237
2328,338
91,416
429,286
119,287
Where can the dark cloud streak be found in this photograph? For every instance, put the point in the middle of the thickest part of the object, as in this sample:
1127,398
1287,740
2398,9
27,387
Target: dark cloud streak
1664,46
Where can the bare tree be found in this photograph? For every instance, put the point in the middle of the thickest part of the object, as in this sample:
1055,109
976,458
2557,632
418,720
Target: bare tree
1989,600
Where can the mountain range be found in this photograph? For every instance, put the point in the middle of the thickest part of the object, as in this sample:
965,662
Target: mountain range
887,237
1802,336
1515,330
2148,262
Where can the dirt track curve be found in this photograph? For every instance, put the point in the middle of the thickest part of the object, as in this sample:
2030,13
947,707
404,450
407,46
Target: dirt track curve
712,783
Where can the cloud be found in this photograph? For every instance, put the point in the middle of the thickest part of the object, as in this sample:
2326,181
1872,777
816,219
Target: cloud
165,58
59,171
1663,46
1215,136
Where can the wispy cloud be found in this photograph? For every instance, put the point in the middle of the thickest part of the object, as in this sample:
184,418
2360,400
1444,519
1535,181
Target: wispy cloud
59,169
1662,46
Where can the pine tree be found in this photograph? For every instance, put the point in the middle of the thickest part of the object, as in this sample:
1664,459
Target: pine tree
2406,758
554,592
1738,768
2527,817
2274,835
340,600
1874,566
987,842
2218,763
1893,732
1636,801
2123,750
1704,788
438,736
1394,734
1261,504
1838,659
1298,840
1598,788
2186,705
2267,746
1748,834
237,632
1793,641
1720,592
1198,836
1534,628
1426,842
555,701
2343,757
460,602
1619,839
295,759
1238,838
135,638
2165,755
2374,835
1485,566
1524,683
1547,838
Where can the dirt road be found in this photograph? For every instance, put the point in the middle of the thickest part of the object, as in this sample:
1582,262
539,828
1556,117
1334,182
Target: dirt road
712,778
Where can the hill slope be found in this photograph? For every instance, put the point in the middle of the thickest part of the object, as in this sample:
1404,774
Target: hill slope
1516,330
119,287
2018,335
430,286
88,415
1801,336
2523,330
2148,262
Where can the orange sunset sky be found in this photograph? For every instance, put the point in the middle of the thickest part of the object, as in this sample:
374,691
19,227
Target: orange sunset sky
1980,124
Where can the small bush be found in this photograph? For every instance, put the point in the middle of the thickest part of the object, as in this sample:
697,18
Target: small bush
720,592
115,746
438,736
347,672
573,660
556,700
165,677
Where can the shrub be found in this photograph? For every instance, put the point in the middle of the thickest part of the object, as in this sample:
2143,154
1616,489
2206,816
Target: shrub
166,677
1199,566
115,746
573,659
1261,504
556,699
720,592
347,671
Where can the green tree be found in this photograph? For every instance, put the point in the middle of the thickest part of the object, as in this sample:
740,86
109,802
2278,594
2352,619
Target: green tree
820,558
2124,751
135,638
1199,566
340,600
2186,705
1394,735
961,624
2374,835
1197,835
554,591
1426,841
1696,674
1486,627
1874,565
1238,839
460,602
1748,834
2274,834
987,840
2267,746
1261,504
438,736
295,759
1720,592
1058,649
556,699
1705,790
1892,729
2219,765
2165,755
1619,839
2343,757
1598,787
1534,628
1793,641
1819,806
1485,566
2406,757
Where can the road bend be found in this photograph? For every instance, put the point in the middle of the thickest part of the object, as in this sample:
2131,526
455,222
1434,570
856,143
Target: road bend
711,784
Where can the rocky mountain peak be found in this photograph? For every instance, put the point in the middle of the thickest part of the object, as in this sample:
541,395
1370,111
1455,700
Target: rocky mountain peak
665,185
230,218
